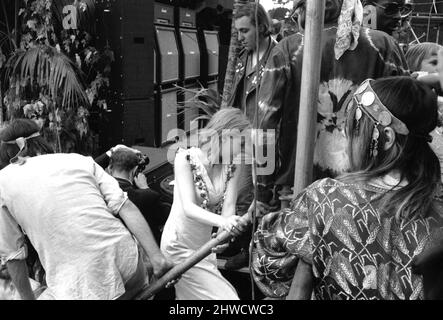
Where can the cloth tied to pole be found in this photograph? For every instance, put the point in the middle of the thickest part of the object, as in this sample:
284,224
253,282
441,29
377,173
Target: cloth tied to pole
349,24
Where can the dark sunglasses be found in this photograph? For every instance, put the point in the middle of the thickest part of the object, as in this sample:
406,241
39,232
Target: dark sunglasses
392,8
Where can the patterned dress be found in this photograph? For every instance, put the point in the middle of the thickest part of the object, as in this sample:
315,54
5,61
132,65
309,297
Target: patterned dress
182,235
356,251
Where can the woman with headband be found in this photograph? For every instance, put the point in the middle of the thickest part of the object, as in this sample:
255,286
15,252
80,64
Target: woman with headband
357,236
67,205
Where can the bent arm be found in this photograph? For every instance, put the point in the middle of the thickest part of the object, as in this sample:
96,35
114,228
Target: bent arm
303,282
13,252
229,205
231,194
137,225
185,184
18,270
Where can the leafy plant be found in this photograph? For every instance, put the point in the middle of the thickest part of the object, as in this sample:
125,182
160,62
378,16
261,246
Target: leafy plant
204,101
61,73
50,70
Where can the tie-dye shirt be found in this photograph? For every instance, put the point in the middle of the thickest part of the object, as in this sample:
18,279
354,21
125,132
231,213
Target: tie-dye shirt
376,55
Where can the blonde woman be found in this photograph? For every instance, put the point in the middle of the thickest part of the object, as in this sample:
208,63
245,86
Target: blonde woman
205,194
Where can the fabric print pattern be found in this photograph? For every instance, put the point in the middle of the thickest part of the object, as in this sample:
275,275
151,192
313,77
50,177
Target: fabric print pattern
356,251
330,156
376,55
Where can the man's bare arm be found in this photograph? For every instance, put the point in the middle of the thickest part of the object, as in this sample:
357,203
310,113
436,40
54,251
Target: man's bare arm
18,270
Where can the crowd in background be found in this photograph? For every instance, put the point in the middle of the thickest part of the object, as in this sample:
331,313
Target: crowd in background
370,226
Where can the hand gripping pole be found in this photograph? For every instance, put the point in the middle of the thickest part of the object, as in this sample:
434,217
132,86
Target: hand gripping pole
149,290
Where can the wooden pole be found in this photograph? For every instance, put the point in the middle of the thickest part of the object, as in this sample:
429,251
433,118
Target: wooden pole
150,290
307,119
310,80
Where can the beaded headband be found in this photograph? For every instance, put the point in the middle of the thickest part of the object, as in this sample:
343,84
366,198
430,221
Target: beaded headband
369,103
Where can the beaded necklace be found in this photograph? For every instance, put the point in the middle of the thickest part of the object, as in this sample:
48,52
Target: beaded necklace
202,187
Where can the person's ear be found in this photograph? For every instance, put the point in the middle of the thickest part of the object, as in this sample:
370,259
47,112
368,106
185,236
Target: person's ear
390,138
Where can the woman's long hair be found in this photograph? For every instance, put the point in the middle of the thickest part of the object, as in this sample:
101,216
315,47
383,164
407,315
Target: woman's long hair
416,105
33,146
225,122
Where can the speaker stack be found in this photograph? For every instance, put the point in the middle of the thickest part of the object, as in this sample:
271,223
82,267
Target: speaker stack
125,27
167,71
210,48
189,65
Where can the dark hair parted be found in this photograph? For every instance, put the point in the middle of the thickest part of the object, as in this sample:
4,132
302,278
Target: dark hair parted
263,19
21,128
415,104
124,160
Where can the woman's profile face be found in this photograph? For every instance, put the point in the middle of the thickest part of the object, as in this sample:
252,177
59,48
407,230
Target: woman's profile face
429,64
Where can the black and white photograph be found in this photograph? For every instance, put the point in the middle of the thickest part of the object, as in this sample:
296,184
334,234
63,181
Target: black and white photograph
216,158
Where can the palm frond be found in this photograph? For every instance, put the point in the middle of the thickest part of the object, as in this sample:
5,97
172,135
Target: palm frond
49,69
202,102
205,101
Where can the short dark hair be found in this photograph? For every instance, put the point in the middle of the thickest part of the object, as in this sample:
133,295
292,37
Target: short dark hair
248,10
124,160
21,128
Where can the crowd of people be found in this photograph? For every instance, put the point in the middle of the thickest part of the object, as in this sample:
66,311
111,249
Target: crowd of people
370,226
